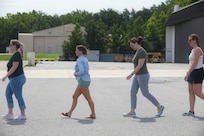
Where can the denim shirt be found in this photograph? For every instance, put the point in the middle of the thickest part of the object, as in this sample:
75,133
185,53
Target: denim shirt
82,68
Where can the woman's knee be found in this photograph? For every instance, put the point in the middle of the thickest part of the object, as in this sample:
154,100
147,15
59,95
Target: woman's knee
74,96
146,94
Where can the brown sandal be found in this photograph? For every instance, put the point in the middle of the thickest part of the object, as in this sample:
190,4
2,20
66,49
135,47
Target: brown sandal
91,117
66,114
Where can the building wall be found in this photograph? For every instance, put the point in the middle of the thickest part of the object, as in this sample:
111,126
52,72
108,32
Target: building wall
39,44
48,40
27,40
182,31
170,44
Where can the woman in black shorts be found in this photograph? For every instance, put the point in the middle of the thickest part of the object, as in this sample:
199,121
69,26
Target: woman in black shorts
195,74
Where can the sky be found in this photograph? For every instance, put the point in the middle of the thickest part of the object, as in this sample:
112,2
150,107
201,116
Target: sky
61,7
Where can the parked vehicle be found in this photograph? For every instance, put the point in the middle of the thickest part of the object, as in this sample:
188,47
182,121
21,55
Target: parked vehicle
155,57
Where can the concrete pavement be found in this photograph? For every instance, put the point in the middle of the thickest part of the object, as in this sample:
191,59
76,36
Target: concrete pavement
50,85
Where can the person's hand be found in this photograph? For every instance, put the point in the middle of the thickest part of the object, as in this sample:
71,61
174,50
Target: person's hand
186,77
75,74
4,78
129,76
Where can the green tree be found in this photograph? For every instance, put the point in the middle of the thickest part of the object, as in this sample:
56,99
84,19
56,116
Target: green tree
4,34
144,13
74,17
96,35
77,37
125,17
115,41
109,17
151,33
135,27
162,31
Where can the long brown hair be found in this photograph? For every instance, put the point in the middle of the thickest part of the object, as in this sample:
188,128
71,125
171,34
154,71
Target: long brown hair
196,38
19,46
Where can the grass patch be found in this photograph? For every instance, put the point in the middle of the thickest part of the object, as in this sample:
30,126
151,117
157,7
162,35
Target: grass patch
4,57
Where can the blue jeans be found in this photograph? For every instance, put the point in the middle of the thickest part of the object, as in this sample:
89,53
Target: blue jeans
15,87
141,81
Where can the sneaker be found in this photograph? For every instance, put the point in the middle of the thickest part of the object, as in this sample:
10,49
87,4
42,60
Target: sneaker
129,114
7,116
160,111
190,113
20,117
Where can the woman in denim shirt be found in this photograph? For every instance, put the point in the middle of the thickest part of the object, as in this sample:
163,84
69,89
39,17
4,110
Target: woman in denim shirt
82,75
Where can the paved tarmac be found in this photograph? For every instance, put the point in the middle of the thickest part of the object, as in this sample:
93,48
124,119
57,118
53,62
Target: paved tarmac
50,85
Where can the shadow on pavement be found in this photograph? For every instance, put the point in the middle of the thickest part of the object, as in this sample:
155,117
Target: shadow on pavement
82,121
16,122
147,119
200,118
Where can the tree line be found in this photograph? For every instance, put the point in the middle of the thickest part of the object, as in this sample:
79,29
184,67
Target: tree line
107,30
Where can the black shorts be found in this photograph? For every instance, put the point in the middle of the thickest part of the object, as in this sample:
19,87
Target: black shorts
196,76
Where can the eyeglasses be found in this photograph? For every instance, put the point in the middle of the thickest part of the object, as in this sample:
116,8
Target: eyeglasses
190,40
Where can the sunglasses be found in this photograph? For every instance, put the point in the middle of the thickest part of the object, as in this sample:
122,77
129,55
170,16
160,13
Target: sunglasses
190,40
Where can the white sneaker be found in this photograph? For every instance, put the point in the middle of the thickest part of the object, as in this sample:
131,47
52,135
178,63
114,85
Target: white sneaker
129,114
21,117
189,114
7,116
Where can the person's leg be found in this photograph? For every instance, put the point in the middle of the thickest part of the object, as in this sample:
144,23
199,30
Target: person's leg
76,95
133,98
9,98
143,82
17,87
133,93
86,93
192,97
197,88
144,86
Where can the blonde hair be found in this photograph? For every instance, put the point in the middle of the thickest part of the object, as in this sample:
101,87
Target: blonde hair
19,46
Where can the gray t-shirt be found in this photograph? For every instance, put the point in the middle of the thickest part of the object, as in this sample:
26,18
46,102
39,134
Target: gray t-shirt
140,54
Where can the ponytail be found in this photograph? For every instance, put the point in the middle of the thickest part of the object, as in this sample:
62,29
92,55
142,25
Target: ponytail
21,49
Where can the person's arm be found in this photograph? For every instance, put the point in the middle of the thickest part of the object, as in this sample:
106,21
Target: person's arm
81,68
137,68
13,69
